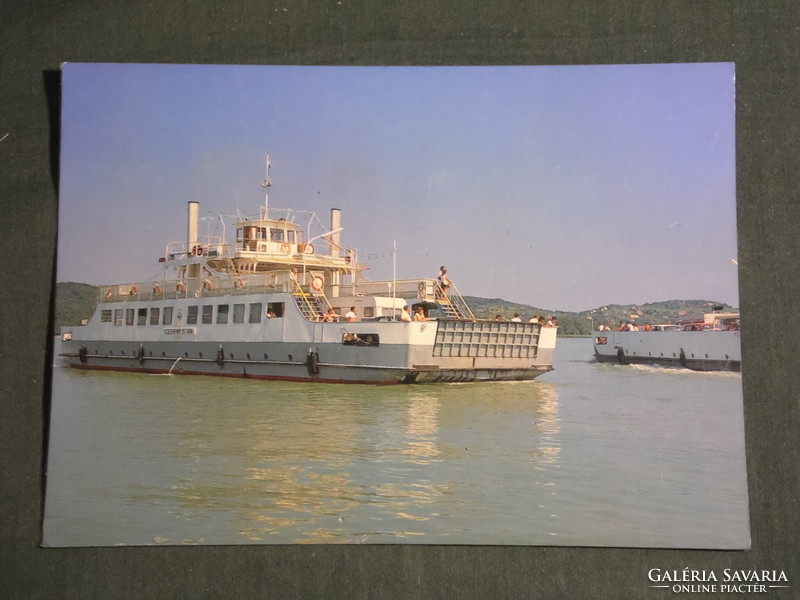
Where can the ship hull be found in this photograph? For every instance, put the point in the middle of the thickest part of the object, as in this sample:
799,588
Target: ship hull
696,350
292,348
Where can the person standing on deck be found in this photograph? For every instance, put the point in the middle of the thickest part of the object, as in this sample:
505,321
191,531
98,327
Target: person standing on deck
444,280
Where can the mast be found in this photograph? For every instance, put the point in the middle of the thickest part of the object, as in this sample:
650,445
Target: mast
266,185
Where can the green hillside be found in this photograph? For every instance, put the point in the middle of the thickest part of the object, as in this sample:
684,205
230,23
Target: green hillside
580,323
75,302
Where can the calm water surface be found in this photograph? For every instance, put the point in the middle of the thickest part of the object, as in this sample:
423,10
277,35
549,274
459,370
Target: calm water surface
590,454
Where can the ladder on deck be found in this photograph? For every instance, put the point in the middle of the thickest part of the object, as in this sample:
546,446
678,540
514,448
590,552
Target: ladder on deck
311,305
453,304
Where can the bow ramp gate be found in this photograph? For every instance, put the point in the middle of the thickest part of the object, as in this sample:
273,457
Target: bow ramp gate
490,339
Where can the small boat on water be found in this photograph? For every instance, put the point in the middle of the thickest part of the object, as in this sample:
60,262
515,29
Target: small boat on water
286,303
708,344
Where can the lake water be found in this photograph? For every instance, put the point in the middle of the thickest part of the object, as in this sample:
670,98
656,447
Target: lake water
590,454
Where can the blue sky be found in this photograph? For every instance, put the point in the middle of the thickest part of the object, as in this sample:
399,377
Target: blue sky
566,187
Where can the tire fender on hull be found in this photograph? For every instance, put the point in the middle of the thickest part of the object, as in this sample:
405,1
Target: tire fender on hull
621,356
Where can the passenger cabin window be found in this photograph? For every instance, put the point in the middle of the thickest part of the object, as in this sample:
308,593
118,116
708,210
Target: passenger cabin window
191,315
361,339
369,312
208,313
275,309
105,316
142,317
255,312
154,315
167,320
130,315
117,317
238,313
222,314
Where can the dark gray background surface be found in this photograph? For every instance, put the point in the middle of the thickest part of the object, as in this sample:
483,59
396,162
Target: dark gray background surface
762,38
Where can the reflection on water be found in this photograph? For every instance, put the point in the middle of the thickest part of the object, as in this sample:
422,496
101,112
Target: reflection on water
240,461
568,459
547,424
421,429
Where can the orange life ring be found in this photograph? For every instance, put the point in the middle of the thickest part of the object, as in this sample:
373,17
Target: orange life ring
317,283
157,290
197,251
240,283
134,291
309,249
180,287
285,248
207,284
109,293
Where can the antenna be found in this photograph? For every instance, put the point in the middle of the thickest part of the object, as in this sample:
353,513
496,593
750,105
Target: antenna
266,185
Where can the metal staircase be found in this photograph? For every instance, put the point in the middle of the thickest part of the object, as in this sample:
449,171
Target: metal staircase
312,305
453,304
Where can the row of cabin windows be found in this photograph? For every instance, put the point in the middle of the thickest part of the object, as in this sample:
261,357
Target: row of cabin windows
203,314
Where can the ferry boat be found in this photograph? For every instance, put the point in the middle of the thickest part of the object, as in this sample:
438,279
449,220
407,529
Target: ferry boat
708,344
281,303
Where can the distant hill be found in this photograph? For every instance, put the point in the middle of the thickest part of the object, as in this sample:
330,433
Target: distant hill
580,323
75,302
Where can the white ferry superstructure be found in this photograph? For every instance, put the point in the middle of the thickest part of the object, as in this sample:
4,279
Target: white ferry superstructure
257,308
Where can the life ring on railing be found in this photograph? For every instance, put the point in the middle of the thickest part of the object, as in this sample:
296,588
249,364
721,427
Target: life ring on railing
157,290
286,248
317,283
309,249
134,291
180,287
197,250
240,283
421,286
207,285
109,293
